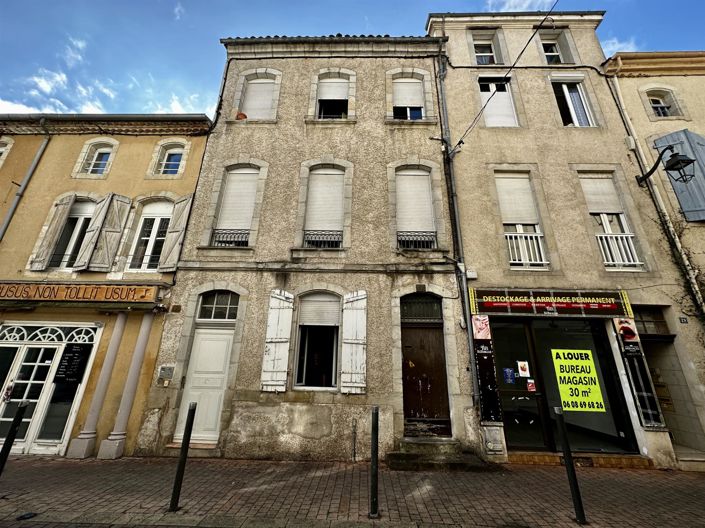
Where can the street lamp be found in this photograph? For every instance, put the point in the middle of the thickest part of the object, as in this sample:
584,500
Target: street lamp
677,163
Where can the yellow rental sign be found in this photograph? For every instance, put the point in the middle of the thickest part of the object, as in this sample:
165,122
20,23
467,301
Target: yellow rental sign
577,381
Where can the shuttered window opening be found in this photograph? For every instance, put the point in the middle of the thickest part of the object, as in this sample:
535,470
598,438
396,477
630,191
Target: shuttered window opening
600,195
516,200
333,98
319,309
236,208
408,98
416,227
571,104
151,236
323,224
72,235
259,99
499,109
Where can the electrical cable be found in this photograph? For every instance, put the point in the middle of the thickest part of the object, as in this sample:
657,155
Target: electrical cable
476,119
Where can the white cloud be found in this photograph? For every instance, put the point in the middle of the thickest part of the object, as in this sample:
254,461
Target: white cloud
105,90
613,45
73,52
92,107
178,11
519,5
48,81
8,107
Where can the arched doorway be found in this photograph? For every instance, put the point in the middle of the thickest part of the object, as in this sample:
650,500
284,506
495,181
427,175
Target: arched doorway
425,383
207,374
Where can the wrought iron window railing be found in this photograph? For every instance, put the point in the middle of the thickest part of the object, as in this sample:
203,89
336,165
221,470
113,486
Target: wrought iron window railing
323,239
416,240
526,249
618,250
230,238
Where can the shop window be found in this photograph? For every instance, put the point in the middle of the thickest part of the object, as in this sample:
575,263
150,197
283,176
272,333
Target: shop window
520,219
219,305
615,239
572,104
497,102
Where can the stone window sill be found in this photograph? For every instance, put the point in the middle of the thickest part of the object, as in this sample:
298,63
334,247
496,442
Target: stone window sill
243,122
410,122
438,253
317,252
329,122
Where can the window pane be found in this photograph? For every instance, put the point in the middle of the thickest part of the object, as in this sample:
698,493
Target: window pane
63,243
142,242
415,112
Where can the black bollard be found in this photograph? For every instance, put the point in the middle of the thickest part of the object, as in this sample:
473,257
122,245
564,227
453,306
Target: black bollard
12,434
374,465
570,467
185,441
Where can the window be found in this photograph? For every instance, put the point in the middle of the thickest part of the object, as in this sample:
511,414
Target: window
72,235
5,146
663,103
649,321
485,47
408,97
258,102
556,45
171,161
319,320
151,235
571,104
323,223
614,237
219,305
332,98
495,93
416,226
520,219
96,158
237,206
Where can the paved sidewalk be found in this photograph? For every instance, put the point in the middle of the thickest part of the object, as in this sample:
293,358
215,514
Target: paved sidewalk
136,491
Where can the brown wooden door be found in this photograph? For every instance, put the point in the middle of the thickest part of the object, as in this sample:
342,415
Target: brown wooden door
426,411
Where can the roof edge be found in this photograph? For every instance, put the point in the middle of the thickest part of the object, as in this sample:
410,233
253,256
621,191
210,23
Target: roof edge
106,117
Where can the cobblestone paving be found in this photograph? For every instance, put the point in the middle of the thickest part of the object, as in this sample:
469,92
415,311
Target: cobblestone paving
136,492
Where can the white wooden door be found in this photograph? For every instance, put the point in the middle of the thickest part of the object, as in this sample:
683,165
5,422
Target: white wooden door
206,380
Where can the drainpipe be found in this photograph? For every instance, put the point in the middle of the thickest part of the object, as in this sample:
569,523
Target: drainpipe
675,243
460,270
25,182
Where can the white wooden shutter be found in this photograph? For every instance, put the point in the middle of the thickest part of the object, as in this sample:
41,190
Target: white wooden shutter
259,95
414,201
324,202
499,112
319,309
516,201
600,195
275,362
335,88
408,92
109,239
353,368
62,208
238,201
91,238
175,234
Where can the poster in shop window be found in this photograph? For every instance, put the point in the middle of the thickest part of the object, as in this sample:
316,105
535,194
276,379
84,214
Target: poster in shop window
577,379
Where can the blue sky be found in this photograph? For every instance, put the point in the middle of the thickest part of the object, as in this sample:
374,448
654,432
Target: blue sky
142,56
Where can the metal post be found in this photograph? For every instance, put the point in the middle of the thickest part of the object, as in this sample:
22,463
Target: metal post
354,439
570,467
185,441
12,433
374,465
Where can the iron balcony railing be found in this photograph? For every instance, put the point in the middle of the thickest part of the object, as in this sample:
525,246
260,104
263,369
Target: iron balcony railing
526,249
230,237
323,239
416,240
618,250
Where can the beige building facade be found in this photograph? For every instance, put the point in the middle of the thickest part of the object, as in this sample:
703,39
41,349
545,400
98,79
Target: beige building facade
317,278
565,254
94,210
661,101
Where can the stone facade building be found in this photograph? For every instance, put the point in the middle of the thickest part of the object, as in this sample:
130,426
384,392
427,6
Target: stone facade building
317,276
93,216
565,253
661,101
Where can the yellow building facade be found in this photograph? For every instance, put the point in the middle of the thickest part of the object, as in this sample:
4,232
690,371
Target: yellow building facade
93,213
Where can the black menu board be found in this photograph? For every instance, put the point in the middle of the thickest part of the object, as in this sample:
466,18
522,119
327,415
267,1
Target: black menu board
73,363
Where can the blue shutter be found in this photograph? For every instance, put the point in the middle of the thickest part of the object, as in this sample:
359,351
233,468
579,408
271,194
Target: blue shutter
691,195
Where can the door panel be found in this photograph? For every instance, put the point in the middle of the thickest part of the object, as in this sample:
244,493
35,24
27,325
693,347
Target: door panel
206,381
424,381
